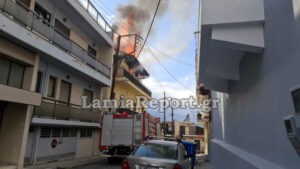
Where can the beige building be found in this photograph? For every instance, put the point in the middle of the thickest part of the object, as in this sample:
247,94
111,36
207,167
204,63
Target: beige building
48,61
187,131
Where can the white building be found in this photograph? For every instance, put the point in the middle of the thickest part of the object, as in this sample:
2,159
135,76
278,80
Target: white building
51,53
249,56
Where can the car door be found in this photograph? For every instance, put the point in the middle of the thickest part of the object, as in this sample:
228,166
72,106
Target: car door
184,160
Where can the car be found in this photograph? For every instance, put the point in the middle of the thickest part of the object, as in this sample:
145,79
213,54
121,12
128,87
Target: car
158,154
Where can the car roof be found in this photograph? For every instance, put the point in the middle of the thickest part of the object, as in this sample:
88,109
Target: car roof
162,142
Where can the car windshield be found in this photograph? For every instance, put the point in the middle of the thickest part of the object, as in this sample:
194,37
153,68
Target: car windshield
157,151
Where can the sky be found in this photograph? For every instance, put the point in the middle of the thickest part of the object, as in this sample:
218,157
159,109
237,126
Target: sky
173,34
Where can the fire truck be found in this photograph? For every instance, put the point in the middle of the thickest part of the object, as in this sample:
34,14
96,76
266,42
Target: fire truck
122,132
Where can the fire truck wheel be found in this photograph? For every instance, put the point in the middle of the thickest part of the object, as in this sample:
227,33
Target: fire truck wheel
111,160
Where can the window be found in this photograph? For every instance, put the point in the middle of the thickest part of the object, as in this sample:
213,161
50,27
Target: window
16,75
182,130
296,100
156,151
4,70
89,94
11,73
73,132
38,85
24,2
56,132
84,3
91,51
43,13
65,132
86,132
45,132
62,28
51,87
65,91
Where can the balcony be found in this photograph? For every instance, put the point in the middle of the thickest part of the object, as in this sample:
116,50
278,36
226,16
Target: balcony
124,75
40,27
12,94
59,110
98,18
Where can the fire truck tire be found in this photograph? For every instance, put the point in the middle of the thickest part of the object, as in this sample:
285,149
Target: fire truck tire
111,160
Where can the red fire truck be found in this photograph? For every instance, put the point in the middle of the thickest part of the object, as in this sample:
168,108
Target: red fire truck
121,133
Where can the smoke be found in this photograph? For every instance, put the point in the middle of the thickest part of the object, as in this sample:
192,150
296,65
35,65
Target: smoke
136,16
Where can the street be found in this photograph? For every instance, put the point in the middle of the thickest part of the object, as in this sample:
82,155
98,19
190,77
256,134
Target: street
101,164
117,165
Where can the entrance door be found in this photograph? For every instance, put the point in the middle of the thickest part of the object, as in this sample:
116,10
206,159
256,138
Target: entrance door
1,113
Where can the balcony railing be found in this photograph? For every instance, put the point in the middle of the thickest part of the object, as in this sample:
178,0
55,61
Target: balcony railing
124,73
41,27
65,111
95,14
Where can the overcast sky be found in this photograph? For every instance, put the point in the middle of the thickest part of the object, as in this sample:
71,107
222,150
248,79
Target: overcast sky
172,33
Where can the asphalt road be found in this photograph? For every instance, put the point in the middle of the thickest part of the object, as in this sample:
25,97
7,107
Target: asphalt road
101,164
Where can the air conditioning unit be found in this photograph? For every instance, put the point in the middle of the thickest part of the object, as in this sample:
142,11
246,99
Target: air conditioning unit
292,126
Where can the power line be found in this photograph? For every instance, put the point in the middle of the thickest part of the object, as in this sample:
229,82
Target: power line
149,28
164,67
164,54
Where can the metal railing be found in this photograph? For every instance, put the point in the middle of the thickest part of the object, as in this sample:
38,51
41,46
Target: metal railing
24,16
98,18
56,109
121,72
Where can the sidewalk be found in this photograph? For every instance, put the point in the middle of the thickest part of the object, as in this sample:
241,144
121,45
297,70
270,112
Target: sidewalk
201,162
60,164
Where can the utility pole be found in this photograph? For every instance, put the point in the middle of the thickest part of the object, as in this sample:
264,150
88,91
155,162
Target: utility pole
173,127
117,60
115,67
164,114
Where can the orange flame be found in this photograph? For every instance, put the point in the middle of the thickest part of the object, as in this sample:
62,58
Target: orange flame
127,43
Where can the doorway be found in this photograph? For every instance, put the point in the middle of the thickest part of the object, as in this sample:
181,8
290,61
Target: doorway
2,104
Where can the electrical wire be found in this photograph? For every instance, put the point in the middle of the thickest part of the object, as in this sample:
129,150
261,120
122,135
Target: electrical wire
170,74
168,56
148,33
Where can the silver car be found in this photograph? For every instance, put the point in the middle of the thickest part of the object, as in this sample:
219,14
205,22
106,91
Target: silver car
158,154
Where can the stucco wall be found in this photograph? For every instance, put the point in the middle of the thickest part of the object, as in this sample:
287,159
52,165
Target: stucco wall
258,102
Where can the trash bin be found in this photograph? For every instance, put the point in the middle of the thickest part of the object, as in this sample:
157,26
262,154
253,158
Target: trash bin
190,148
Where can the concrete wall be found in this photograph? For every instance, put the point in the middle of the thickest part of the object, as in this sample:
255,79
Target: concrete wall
17,117
250,132
13,133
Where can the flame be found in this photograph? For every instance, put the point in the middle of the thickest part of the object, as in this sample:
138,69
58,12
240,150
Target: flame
127,43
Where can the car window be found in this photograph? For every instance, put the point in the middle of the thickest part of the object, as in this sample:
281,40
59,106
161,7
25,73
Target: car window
157,151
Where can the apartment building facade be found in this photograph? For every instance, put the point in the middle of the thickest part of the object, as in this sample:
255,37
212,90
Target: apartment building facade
249,59
52,53
128,83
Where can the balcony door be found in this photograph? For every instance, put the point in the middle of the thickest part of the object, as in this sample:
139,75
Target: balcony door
65,91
